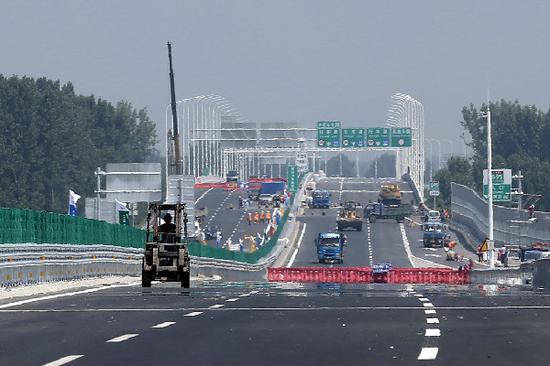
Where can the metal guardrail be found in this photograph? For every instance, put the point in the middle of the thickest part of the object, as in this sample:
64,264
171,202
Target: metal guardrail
511,225
22,264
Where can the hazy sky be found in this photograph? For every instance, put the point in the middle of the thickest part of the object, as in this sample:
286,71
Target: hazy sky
289,60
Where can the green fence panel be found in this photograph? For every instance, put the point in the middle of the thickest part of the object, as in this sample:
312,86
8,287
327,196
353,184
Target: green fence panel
27,226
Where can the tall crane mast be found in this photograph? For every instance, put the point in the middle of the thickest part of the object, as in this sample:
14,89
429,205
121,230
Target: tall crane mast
175,160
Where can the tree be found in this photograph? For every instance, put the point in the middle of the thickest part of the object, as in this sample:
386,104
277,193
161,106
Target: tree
520,141
333,166
457,170
383,166
53,139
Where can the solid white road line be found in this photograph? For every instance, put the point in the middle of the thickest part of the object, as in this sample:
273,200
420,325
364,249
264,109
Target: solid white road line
163,325
217,306
65,294
202,196
428,353
121,338
432,320
291,261
432,332
63,360
232,300
429,311
194,313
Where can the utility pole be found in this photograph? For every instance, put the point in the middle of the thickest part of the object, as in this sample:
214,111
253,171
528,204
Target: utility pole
178,168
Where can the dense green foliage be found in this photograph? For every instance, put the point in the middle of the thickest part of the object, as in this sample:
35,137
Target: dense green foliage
458,170
348,166
382,166
53,139
520,142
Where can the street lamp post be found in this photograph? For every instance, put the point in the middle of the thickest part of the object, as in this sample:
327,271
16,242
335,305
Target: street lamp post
491,244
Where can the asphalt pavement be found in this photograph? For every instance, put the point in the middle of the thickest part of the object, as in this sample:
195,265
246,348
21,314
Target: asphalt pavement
224,213
259,323
376,243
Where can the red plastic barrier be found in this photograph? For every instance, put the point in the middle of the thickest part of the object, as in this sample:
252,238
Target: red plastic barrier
428,276
320,274
210,185
365,275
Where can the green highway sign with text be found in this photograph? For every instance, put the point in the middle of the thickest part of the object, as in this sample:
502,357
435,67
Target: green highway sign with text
434,188
502,185
401,137
328,134
378,137
353,137
292,178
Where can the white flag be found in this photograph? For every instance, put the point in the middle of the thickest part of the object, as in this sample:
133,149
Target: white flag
73,199
120,206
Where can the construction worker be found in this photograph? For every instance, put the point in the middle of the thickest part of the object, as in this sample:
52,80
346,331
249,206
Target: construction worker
262,216
268,216
249,218
256,217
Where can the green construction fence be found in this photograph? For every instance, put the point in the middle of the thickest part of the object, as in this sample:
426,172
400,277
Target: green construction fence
39,227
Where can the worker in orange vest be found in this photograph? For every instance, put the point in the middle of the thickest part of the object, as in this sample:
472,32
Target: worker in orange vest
256,217
262,217
268,216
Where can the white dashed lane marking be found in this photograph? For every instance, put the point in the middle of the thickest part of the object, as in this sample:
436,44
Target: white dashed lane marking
194,313
428,353
429,311
121,338
432,320
432,332
163,325
63,360
232,300
428,305
217,306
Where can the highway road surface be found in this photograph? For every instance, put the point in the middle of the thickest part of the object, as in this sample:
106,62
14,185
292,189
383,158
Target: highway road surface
263,324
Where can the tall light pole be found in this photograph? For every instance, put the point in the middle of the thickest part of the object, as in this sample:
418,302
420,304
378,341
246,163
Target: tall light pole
491,244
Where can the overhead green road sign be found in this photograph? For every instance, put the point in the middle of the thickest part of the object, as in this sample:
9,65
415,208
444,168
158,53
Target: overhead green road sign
353,137
401,137
292,178
328,133
502,185
378,137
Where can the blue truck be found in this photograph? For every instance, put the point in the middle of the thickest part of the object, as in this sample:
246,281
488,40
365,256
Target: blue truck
435,234
272,188
376,211
320,199
330,247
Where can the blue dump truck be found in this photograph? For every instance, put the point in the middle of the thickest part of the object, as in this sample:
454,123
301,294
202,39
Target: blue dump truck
272,188
330,247
435,234
320,199
376,211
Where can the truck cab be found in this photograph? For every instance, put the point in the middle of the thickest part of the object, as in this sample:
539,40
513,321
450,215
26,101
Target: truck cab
330,247
320,199
435,234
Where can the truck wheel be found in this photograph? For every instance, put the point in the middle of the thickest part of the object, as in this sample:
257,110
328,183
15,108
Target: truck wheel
145,279
185,279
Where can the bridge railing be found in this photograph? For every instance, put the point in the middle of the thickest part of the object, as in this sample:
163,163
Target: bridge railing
511,226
